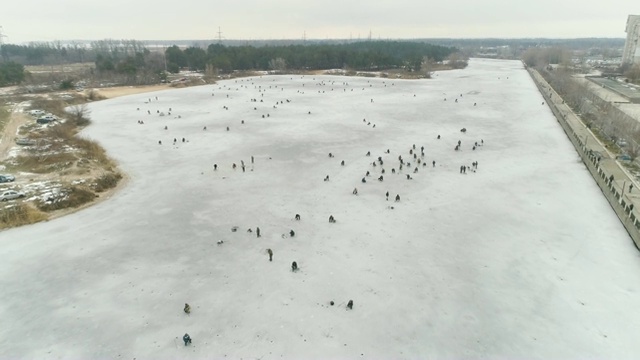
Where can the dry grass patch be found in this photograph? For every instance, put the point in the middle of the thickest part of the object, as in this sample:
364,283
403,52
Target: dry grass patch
20,214
42,163
93,151
54,106
5,116
72,197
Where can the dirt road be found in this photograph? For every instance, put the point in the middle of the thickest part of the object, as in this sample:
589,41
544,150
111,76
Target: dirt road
10,132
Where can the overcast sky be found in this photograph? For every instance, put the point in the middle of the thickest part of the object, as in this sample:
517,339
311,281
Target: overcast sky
49,20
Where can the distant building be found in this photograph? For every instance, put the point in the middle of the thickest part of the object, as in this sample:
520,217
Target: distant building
631,53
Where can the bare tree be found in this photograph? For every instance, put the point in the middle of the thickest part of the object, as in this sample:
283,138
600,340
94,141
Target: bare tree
278,64
80,114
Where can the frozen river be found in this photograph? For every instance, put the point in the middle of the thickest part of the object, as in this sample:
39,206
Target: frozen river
522,258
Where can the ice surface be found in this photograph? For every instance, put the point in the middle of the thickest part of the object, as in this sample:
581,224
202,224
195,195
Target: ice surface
522,259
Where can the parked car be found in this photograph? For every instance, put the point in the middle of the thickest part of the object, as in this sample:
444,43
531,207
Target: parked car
46,119
11,194
7,178
36,112
25,141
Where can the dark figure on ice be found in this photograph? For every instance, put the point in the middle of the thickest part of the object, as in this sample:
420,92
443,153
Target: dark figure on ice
380,178
294,266
350,305
393,170
330,155
298,217
326,178
331,219
438,137
292,233
368,153
387,195
187,339
187,308
342,163
630,187
409,177
257,232
215,167
270,252
355,191
397,197
363,180
368,173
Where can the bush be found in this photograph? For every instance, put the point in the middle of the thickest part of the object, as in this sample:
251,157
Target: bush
94,95
67,84
107,181
19,214
80,115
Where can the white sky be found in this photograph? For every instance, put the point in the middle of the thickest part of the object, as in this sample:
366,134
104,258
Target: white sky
46,20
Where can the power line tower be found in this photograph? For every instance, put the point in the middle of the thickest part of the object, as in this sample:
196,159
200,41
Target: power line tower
1,36
219,36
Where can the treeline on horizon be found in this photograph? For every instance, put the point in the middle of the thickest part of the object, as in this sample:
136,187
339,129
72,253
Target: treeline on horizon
133,63
361,55
366,55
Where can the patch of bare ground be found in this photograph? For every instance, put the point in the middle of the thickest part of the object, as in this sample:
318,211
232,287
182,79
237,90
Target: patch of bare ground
113,92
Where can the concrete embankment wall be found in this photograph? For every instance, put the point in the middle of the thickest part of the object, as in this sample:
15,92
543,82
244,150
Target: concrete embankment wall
611,179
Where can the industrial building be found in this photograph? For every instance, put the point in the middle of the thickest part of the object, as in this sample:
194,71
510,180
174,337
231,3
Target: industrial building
631,53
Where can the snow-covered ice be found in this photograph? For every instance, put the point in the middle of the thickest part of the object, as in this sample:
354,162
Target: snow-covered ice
522,259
